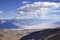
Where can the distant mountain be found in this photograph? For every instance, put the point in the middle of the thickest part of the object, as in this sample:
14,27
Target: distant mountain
42,34
7,24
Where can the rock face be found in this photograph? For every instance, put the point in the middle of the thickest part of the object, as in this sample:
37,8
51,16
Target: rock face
47,34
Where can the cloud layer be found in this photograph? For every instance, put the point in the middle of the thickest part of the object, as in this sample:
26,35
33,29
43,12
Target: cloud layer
42,26
38,10
25,2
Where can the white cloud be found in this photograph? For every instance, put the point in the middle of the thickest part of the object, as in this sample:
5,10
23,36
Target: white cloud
54,10
37,10
25,2
17,24
1,11
42,26
37,26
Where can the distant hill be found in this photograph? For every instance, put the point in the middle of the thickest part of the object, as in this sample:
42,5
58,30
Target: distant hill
7,25
42,35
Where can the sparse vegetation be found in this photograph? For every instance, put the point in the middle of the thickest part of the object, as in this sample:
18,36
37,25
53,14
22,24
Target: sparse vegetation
6,34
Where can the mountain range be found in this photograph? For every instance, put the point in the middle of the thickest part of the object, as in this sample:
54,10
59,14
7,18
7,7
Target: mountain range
20,23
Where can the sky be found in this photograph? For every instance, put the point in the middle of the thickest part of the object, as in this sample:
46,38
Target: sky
31,9
10,9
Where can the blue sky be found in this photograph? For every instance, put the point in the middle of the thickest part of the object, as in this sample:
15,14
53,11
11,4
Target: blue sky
8,7
13,4
47,10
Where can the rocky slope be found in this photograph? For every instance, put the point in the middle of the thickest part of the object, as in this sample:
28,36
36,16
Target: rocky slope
47,34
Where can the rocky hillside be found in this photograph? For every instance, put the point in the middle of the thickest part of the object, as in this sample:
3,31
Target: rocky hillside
47,34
